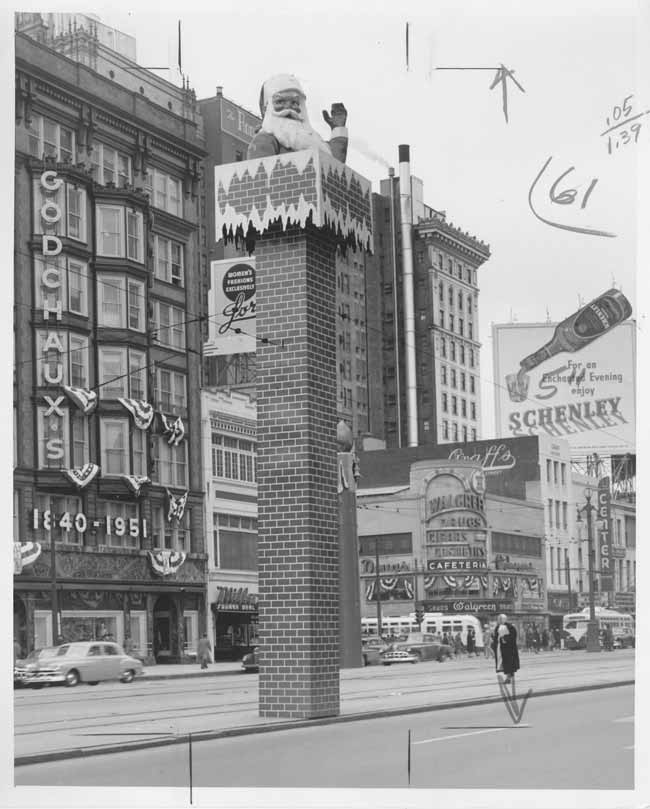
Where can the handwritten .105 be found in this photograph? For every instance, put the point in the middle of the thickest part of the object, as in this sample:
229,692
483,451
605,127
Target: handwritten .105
620,117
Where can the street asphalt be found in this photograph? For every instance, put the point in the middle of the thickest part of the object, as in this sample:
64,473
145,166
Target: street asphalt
580,740
62,722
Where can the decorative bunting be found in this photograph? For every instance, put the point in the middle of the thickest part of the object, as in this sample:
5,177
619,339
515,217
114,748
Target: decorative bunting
389,583
450,581
85,399
141,411
471,583
165,562
408,587
81,476
430,582
135,482
176,506
175,430
484,582
370,590
25,553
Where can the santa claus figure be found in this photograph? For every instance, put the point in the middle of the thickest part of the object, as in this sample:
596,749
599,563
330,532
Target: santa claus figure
285,126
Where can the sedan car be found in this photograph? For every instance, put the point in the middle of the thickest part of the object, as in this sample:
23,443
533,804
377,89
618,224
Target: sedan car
23,668
372,651
417,646
86,661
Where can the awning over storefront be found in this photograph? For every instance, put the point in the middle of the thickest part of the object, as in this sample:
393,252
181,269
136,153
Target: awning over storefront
233,599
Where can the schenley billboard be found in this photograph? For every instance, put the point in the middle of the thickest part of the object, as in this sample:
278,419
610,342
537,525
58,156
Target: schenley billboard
574,381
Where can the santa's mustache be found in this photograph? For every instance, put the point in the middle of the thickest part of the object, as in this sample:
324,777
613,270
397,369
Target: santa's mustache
296,116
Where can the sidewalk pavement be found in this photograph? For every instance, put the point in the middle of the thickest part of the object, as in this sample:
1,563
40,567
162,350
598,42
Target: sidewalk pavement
232,710
175,671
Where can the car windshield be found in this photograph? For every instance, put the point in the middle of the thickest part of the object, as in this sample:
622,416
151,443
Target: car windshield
62,650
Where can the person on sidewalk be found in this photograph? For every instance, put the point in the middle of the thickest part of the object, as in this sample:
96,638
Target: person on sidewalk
458,644
204,652
471,642
504,645
487,641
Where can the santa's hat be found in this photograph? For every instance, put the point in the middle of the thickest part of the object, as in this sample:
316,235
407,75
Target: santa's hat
276,84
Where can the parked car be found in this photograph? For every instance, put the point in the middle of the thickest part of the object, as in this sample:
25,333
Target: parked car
84,661
24,667
249,662
372,650
416,647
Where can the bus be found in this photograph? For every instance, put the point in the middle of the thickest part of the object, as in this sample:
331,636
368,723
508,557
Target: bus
434,622
575,627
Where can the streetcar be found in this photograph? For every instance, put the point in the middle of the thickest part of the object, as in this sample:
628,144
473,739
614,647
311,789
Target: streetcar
575,627
393,626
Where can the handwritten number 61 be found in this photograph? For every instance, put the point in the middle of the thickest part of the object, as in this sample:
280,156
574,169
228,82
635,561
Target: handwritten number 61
568,197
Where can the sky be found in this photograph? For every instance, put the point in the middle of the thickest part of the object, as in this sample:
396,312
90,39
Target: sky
576,63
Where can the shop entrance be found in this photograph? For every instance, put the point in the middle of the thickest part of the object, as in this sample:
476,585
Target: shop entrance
235,634
164,634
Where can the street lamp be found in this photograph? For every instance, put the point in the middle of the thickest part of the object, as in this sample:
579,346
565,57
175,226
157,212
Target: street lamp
593,643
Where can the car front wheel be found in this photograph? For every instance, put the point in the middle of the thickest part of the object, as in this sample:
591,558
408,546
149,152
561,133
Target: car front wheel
128,676
72,678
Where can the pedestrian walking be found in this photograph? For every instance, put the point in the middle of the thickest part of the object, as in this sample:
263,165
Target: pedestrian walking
504,645
487,641
557,637
609,639
471,641
545,640
204,652
536,639
458,644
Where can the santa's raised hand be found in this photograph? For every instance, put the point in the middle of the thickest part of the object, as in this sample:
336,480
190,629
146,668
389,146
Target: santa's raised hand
337,116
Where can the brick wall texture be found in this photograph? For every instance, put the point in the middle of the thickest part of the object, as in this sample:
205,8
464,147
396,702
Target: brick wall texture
296,474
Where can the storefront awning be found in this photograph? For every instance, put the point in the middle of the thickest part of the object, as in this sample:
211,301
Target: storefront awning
233,599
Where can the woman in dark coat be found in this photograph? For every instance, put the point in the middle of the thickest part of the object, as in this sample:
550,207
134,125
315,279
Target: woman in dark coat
504,645
471,641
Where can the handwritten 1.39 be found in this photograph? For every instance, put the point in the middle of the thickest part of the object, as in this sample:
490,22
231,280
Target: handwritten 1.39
620,129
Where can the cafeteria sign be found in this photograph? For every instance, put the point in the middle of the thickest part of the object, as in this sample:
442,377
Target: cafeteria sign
456,564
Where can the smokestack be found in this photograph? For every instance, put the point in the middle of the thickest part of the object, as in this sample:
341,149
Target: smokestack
406,220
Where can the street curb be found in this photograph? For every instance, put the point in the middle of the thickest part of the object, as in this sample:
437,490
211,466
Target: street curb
249,730
187,675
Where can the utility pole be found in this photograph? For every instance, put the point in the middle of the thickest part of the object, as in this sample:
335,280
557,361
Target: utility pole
377,583
593,642
568,578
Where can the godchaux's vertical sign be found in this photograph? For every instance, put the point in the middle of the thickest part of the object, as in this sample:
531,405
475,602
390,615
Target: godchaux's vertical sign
603,519
231,307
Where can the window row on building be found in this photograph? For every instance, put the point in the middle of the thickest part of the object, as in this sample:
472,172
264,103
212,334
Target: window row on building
458,406
455,268
109,165
453,431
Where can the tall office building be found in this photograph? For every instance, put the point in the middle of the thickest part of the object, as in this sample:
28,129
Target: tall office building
447,348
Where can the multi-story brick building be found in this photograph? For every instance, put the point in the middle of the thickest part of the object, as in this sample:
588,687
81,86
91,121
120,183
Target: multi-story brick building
229,459
446,260
108,491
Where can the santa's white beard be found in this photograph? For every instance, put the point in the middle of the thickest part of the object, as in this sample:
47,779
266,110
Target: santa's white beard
292,134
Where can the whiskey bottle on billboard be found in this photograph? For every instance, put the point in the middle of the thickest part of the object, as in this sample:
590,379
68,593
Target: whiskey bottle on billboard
572,334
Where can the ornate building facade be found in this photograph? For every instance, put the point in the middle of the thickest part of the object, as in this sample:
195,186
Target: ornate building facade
108,492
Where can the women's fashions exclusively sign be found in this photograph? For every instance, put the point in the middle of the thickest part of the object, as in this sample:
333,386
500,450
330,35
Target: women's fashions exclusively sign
231,325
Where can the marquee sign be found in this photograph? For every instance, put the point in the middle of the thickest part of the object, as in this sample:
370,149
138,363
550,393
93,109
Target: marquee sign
605,536
486,605
456,564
